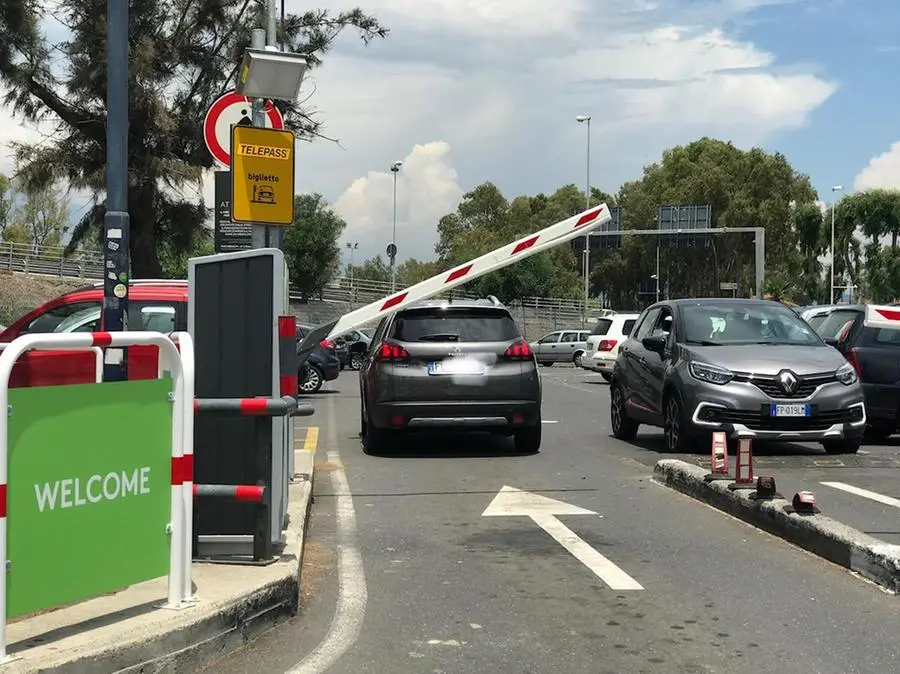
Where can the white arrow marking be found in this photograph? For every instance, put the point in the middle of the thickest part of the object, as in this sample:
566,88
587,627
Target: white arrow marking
512,502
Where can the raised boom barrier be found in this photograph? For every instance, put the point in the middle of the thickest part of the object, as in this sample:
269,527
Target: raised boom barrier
86,462
544,239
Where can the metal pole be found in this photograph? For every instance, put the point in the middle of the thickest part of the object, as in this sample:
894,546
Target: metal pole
261,233
657,271
760,241
831,282
587,237
394,237
116,223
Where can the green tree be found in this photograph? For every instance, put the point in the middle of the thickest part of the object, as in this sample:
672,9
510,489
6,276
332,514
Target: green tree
373,269
744,188
485,220
807,223
189,49
413,271
45,216
311,244
6,203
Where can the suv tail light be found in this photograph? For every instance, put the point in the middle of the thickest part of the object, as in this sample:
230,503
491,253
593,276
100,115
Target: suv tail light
327,343
606,345
853,359
391,352
518,351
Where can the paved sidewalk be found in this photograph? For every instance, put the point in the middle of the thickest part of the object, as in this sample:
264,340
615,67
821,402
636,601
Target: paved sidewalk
128,631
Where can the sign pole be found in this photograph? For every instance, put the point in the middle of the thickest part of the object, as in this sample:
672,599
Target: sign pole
258,41
116,223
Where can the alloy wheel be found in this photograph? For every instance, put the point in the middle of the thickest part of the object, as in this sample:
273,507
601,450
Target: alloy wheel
311,383
615,408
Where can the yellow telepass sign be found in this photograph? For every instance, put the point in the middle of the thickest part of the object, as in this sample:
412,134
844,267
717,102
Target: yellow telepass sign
262,175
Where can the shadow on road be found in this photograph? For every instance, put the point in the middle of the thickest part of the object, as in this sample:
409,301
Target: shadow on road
424,445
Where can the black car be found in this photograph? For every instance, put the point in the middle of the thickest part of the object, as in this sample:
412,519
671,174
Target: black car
457,366
322,364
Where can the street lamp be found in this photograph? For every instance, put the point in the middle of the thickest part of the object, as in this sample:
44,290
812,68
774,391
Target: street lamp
836,188
587,197
352,248
392,249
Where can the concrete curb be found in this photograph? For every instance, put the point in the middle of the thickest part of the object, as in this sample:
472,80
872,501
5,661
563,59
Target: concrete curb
869,557
207,634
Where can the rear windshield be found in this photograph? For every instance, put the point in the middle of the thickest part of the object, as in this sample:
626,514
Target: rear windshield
455,325
603,326
836,324
628,327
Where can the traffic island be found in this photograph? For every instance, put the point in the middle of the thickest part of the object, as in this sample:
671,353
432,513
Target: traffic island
130,630
869,557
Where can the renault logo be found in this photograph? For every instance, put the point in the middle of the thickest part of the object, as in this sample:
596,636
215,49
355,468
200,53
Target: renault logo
788,381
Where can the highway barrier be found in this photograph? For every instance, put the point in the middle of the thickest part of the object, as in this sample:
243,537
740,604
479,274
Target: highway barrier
92,477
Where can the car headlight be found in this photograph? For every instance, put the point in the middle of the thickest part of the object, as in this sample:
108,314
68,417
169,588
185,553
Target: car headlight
846,374
712,374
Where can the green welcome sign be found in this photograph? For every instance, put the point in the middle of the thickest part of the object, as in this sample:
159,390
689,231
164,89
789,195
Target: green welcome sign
89,490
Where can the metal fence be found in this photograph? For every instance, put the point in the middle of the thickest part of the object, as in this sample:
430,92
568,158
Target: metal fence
536,315
50,261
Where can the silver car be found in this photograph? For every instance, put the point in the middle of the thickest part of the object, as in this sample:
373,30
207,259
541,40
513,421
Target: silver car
752,368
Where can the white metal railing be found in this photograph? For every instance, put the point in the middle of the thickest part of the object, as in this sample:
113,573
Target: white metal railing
50,261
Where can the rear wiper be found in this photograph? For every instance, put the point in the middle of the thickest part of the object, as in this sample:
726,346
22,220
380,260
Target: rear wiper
702,342
440,337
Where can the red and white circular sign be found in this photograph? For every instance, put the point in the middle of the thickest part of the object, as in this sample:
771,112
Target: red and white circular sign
232,108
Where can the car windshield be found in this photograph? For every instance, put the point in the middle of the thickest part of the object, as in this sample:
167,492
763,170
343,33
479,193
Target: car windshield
602,326
746,323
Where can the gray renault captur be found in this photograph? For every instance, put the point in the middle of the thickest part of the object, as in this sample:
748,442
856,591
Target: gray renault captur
751,368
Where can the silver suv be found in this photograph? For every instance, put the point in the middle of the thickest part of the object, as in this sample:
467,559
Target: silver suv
454,365
751,368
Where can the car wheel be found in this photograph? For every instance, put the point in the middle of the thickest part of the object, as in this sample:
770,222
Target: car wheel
356,359
675,430
843,446
623,427
577,358
374,441
313,380
607,377
528,440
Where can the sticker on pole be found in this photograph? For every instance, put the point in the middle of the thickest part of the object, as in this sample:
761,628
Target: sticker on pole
262,176
229,109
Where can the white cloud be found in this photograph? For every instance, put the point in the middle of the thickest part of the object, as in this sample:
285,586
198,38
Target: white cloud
882,171
472,90
426,189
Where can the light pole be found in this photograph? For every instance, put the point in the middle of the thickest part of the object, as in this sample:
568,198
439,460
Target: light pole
587,197
352,248
392,249
836,188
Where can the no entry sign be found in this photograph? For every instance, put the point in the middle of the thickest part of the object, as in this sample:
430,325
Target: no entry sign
229,109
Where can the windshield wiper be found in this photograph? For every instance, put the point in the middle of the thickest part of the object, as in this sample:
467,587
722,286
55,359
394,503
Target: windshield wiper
440,337
702,342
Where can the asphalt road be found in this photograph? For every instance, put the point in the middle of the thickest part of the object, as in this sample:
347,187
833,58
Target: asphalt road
404,572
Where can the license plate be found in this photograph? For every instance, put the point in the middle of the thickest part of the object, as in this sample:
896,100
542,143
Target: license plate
456,366
798,410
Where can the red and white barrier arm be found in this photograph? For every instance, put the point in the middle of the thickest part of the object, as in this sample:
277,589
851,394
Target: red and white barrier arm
547,238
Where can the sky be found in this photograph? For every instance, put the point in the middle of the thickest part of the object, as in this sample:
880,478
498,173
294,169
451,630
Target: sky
465,91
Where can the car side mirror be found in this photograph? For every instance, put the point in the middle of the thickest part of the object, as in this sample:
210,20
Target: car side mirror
657,344
830,341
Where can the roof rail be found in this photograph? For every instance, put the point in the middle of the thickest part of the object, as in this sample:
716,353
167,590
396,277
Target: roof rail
142,281
493,300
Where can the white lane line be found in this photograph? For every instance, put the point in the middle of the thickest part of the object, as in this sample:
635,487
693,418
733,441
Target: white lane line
549,421
347,622
602,567
865,493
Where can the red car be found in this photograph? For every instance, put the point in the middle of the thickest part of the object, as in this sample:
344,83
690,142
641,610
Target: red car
157,305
